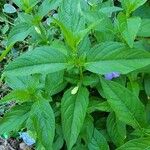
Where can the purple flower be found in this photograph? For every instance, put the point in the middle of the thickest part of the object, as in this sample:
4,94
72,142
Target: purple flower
27,138
112,75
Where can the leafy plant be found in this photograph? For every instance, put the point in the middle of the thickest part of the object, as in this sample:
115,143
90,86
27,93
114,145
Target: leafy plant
61,83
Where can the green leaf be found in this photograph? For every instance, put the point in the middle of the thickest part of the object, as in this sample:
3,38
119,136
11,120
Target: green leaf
47,6
72,23
13,120
8,8
128,28
131,5
44,59
5,29
143,11
98,106
144,29
30,82
19,3
73,111
115,57
70,15
116,130
136,144
59,140
43,121
17,95
54,82
122,101
104,26
87,129
26,5
91,80
19,33
68,35
98,142
108,10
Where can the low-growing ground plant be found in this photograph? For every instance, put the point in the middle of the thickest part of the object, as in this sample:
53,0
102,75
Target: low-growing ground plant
78,73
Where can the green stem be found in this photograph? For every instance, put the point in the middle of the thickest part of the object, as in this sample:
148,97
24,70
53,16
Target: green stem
81,72
5,52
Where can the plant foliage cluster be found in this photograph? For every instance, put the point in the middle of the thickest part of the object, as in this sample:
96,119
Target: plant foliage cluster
61,95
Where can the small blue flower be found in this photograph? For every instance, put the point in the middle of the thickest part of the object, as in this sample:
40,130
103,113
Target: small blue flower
27,138
112,75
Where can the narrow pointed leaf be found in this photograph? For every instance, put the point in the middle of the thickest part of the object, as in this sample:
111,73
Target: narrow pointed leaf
69,15
47,6
13,120
122,101
19,33
16,95
128,28
116,129
73,110
98,142
112,56
131,5
99,106
43,120
41,60
136,144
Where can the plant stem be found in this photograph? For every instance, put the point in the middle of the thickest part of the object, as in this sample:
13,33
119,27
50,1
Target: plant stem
81,72
5,52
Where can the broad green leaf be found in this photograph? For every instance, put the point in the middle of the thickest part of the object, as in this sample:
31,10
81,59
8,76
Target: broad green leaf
26,18
8,8
26,5
144,29
122,101
54,82
108,10
143,11
84,45
136,144
70,15
43,121
87,129
91,80
59,45
112,56
47,6
134,87
17,95
73,39
44,59
116,130
128,28
98,142
19,3
104,26
19,33
131,5
59,140
13,120
73,111
98,106
68,35
30,82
